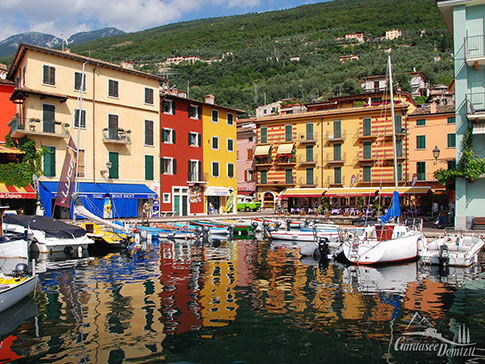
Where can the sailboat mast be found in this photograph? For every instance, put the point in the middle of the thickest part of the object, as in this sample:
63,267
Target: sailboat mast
393,122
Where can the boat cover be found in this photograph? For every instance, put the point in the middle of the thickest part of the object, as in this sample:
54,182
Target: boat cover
53,228
394,210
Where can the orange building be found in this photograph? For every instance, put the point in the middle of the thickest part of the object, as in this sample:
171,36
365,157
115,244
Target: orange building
8,107
431,128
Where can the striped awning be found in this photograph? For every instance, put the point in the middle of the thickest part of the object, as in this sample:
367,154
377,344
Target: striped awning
16,192
285,148
7,150
302,192
262,149
479,128
351,191
408,190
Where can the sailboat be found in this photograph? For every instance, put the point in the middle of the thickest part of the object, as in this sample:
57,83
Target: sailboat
386,242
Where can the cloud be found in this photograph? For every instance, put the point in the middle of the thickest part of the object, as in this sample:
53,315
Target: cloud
71,16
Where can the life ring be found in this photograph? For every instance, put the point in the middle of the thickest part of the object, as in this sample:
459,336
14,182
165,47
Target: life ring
185,227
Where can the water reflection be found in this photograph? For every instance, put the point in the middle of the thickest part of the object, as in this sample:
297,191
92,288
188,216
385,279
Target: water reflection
205,304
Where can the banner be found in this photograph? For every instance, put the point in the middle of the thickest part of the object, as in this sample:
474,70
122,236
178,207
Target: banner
68,175
35,183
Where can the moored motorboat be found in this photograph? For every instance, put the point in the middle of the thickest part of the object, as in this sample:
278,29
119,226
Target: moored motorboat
16,286
239,228
455,250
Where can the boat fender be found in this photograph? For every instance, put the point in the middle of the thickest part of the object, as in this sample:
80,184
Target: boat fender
79,251
420,244
185,227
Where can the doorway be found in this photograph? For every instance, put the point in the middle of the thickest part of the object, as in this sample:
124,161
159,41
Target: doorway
181,201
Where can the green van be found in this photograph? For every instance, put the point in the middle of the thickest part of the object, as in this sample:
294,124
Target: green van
247,203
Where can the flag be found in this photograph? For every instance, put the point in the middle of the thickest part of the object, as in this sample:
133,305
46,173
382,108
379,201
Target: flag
68,176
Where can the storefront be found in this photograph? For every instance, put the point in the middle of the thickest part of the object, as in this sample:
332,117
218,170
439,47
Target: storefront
301,198
18,198
215,199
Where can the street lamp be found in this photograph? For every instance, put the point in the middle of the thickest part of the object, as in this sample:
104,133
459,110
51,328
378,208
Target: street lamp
436,154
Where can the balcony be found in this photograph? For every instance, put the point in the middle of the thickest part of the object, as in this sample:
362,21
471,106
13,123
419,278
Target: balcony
303,182
366,134
389,155
332,181
336,137
366,157
194,179
399,133
475,106
280,184
308,139
263,161
475,50
285,159
116,136
304,161
20,127
330,158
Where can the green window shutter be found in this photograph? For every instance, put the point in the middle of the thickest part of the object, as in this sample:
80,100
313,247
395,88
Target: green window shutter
114,170
366,173
421,170
309,176
309,131
399,148
337,152
367,150
174,164
337,175
189,174
149,168
420,141
288,176
264,135
162,165
366,127
421,122
309,153
398,123
337,129
50,162
198,112
200,139
452,140
264,176
452,120
173,136
399,172
288,133
173,107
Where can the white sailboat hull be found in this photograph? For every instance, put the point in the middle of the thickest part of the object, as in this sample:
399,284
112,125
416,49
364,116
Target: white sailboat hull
10,294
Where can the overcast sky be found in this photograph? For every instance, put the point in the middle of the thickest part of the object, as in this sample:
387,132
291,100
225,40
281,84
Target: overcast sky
71,16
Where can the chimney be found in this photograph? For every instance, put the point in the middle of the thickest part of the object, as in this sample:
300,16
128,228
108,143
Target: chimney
432,108
209,99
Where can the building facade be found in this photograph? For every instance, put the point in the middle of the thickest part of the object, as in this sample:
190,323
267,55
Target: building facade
8,107
246,141
465,20
116,129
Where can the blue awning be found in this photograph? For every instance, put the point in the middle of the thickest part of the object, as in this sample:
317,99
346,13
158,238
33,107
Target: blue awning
127,190
84,189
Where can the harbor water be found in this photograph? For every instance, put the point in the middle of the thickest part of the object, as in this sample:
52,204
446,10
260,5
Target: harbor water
245,302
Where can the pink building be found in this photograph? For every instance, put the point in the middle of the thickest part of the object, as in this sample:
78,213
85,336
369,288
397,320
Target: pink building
246,141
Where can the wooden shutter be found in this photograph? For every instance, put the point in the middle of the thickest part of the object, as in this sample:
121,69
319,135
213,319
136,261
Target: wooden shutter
114,170
250,154
148,167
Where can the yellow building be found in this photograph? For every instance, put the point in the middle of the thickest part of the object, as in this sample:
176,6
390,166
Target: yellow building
220,158
116,131
342,143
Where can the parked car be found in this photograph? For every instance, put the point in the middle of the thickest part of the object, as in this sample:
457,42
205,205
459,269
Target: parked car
247,203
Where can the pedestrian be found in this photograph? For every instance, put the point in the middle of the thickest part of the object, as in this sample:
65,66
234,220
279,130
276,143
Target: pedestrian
146,212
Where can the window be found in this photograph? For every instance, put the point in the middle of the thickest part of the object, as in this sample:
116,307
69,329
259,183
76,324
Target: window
421,170
168,107
81,163
113,88
166,197
420,141
337,129
337,175
195,139
168,136
113,127
366,127
114,170
248,175
452,140
452,164
23,76
264,134
230,119
399,148
83,118
309,153
230,170
215,169
288,176
309,131
264,176
421,122
148,96
399,171
168,165
194,112
337,152
366,173
48,118
288,133
148,132
49,75
451,120
215,116
149,168
49,162
78,79
215,143
398,123
230,145
367,150
195,170
309,176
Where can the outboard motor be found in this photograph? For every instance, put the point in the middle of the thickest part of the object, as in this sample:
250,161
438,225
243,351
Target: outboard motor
230,229
444,257
21,270
265,230
205,233
302,225
307,222
198,231
254,225
288,224
277,225
323,247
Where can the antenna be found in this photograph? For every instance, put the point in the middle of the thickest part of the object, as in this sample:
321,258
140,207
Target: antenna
65,41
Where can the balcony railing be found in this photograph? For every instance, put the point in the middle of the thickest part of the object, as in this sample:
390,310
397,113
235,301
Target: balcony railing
366,133
285,159
332,181
263,160
399,133
196,179
389,155
20,127
331,158
302,181
336,137
117,136
475,49
309,139
366,157
304,160
475,105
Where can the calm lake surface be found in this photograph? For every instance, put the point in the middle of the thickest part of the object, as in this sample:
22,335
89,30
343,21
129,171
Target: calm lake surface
245,302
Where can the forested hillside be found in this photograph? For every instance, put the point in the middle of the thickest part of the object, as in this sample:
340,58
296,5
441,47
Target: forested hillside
260,46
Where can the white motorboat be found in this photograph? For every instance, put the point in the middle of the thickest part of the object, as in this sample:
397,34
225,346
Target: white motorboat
16,286
50,236
12,245
459,250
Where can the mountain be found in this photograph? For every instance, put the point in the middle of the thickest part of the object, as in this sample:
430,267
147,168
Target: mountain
8,46
93,35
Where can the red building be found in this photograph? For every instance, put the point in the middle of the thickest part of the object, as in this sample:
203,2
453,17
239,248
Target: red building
7,107
181,155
